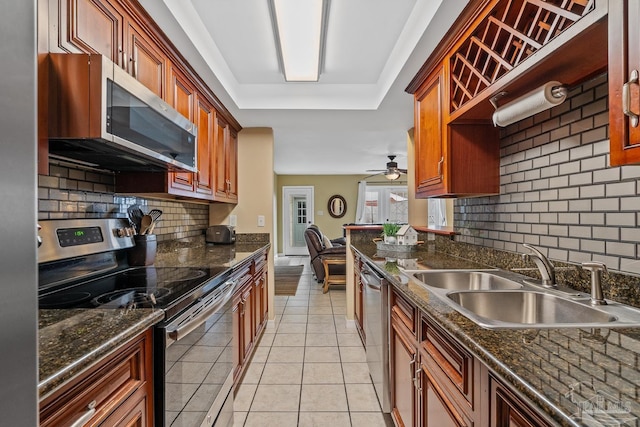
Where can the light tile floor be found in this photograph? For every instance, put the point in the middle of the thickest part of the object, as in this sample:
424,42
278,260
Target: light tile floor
309,369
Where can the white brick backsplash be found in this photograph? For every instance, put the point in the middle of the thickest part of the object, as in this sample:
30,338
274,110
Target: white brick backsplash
621,219
558,191
606,175
560,206
570,167
607,205
581,178
593,163
622,249
558,230
621,189
548,241
568,243
569,193
595,246
591,191
580,231
580,205
549,171
606,233
569,218
591,218
630,172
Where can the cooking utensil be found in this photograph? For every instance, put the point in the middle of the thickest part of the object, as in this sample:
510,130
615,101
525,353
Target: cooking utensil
145,223
155,214
135,216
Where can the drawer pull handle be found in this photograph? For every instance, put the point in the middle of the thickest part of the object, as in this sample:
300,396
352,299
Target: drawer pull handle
626,99
86,417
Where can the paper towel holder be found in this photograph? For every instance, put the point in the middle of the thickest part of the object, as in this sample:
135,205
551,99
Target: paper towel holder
557,91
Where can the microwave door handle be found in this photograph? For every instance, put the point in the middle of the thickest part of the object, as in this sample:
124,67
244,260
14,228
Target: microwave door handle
181,331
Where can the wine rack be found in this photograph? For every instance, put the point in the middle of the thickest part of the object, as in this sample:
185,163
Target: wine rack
506,36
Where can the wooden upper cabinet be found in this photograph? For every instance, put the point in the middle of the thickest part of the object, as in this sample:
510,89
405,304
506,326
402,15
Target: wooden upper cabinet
206,117
182,97
226,161
92,26
430,138
145,61
624,93
454,160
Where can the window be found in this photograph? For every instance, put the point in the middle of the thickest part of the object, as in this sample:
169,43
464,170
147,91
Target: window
386,204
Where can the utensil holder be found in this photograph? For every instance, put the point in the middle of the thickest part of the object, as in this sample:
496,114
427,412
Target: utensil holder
144,252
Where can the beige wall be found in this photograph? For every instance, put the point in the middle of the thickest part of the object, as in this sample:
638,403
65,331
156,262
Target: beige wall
324,186
255,191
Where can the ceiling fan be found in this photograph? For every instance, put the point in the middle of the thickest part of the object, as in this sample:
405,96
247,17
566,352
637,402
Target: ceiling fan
392,172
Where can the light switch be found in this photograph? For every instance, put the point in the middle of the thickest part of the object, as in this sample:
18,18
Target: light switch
260,220
320,213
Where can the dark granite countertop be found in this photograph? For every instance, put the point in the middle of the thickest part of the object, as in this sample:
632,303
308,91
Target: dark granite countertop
72,340
559,371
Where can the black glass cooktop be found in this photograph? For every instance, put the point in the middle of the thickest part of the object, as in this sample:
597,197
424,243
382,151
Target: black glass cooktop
138,287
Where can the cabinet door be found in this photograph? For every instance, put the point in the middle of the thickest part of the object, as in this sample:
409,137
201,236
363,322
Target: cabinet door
624,58
206,117
437,409
221,141
133,413
145,61
182,98
94,26
508,410
430,143
403,367
247,320
238,345
232,166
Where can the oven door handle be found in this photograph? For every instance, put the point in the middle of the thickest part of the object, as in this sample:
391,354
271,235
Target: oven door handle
181,330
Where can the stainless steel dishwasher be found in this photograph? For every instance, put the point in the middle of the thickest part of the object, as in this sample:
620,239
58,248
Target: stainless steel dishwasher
376,328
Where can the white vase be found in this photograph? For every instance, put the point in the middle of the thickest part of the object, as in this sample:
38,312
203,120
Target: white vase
391,240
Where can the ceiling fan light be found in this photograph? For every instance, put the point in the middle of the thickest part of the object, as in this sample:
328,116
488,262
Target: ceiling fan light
392,174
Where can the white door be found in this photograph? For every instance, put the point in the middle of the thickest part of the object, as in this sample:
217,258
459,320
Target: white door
297,209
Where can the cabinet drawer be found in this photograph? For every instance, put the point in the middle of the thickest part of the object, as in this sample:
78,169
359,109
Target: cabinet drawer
404,310
105,387
447,359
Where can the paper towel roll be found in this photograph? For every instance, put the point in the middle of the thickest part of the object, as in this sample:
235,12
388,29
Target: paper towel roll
531,103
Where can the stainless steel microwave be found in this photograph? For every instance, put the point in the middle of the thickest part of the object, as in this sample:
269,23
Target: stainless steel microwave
101,116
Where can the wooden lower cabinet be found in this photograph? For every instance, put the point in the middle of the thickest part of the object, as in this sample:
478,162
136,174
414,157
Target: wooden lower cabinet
508,410
117,391
436,382
404,398
250,310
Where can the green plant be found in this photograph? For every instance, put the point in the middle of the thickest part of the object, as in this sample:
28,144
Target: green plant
390,229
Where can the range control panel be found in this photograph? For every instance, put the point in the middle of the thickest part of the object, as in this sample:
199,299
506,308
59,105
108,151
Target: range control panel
68,238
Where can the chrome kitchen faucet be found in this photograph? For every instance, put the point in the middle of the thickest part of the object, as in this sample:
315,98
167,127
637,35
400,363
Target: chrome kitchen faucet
547,270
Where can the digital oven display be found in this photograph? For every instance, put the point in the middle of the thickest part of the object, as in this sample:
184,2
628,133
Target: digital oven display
79,236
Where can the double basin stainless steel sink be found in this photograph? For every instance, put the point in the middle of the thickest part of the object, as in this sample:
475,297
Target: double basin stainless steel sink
501,299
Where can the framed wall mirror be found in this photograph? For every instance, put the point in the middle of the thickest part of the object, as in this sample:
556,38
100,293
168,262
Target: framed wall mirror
337,206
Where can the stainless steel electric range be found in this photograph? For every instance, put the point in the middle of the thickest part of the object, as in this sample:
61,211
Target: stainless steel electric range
82,264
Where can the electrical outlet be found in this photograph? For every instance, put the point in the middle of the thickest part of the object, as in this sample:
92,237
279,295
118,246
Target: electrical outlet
233,220
320,213
260,220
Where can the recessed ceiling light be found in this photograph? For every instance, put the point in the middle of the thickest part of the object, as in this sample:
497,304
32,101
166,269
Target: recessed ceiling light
299,29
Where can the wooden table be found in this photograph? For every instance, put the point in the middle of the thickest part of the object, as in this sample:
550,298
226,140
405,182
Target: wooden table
333,279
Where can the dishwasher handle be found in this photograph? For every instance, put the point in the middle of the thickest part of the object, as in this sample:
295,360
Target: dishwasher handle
372,280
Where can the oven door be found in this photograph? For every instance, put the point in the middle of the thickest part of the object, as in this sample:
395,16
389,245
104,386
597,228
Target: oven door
194,364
